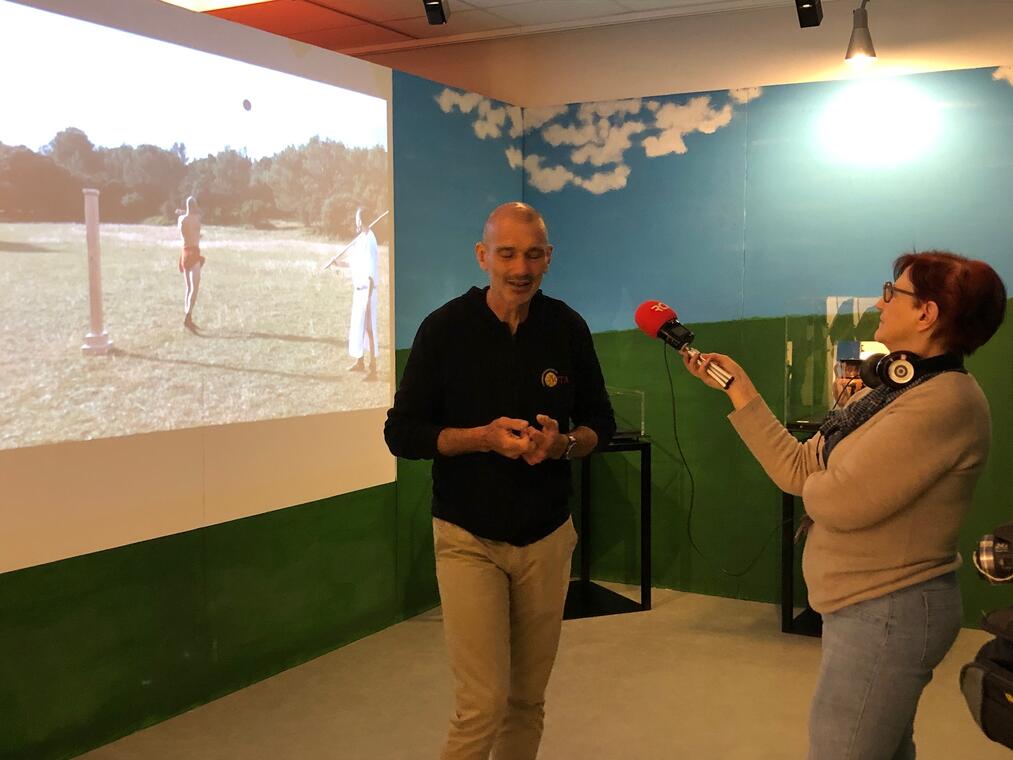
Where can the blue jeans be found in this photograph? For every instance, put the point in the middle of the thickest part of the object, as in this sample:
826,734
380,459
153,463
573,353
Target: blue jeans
878,656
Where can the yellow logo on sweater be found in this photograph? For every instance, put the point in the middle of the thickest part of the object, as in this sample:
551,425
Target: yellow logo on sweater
551,378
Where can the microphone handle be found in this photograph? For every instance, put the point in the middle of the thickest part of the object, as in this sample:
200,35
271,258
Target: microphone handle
718,373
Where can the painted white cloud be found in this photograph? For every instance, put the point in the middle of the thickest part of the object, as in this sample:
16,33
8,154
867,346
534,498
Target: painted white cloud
557,134
610,146
490,119
745,94
602,132
548,179
536,117
602,182
1003,73
678,120
514,157
516,116
607,108
464,102
599,133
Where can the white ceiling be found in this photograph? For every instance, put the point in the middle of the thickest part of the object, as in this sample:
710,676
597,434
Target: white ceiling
372,26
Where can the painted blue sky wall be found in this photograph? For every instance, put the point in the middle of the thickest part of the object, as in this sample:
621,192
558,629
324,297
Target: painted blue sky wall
763,201
450,170
842,177
654,209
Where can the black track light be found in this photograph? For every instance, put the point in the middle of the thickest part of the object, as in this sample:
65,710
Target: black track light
810,12
437,11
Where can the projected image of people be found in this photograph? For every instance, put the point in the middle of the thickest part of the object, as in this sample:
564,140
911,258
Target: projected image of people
190,260
244,187
360,258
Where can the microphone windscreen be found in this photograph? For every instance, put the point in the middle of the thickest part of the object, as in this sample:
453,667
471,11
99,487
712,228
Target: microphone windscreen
651,315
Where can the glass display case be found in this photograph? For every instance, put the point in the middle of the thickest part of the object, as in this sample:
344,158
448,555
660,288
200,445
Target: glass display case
824,342
628,407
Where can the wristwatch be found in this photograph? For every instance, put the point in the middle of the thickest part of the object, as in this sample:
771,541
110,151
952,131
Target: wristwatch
571,444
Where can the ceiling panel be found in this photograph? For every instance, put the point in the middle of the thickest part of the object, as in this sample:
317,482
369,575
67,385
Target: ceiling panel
698,6
286,17
557,11
388,10
646,5
401,24
372,10
493,4
351,37
464,22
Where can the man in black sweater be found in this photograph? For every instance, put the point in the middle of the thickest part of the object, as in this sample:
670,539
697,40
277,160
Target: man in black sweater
501,390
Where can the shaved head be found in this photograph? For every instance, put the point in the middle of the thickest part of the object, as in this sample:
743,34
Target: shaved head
517,211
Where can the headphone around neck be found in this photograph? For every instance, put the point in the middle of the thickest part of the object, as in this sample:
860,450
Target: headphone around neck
901,368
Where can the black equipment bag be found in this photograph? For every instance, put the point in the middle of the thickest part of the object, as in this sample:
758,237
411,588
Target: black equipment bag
987,683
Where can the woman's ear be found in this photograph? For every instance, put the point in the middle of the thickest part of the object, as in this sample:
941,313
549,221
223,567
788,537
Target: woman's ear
929,315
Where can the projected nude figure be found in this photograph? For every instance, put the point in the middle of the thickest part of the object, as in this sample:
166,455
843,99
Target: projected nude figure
190,259
363,269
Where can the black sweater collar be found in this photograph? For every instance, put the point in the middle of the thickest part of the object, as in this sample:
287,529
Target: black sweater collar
476,298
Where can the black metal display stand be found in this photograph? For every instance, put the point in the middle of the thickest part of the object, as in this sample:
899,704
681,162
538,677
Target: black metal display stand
584,597
808,622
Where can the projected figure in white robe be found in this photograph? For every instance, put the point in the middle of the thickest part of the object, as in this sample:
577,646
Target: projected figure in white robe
363,268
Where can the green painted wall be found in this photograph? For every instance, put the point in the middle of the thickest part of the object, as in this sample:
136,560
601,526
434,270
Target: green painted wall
415,525
735,505
98,646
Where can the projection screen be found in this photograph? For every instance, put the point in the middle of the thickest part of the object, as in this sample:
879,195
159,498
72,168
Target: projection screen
196,247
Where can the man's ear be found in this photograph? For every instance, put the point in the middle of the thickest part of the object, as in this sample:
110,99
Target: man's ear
480,253
548,256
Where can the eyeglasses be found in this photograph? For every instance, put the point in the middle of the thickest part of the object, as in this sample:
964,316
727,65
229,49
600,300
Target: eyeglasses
889,289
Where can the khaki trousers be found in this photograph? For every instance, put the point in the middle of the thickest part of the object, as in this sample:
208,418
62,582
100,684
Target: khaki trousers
502,613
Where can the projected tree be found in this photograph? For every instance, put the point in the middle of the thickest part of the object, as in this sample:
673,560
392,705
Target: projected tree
317,185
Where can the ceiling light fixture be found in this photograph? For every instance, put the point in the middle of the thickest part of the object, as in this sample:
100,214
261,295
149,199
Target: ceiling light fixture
860,47
202,6
810,12
437,11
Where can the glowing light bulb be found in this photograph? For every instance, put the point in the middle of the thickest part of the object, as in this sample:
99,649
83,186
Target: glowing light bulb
879,122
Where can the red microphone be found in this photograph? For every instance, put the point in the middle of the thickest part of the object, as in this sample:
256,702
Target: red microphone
660,321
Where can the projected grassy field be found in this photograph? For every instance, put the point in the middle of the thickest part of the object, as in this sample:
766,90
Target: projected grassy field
272,341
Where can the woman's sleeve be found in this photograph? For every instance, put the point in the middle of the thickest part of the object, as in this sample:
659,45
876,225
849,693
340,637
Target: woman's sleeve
783,457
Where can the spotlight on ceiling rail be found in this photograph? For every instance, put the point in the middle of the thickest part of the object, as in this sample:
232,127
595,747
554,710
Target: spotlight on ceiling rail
810,12
437,11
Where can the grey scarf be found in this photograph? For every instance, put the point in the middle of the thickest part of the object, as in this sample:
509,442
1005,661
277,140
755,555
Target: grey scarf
842,422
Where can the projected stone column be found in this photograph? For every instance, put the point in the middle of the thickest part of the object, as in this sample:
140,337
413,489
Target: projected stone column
96,341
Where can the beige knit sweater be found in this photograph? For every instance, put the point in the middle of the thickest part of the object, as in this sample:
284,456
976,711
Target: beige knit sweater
888,509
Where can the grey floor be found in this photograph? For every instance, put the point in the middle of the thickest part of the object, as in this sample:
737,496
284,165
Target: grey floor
695,677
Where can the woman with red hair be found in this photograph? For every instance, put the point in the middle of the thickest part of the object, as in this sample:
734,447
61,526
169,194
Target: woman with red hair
887,483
